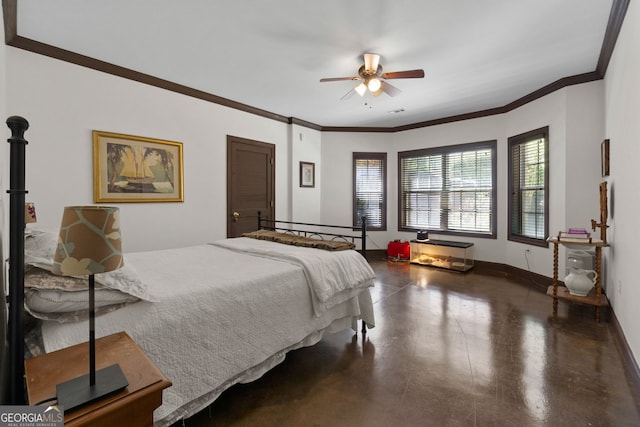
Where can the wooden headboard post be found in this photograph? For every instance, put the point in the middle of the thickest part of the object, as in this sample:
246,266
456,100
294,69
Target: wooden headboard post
16,392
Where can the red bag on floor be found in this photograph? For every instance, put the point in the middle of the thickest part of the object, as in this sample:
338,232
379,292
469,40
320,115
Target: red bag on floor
399,250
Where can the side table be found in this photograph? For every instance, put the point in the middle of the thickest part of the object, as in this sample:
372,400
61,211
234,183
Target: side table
596,298
132,406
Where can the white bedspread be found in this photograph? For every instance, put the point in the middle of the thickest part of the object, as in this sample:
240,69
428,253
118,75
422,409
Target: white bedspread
333,276
221,317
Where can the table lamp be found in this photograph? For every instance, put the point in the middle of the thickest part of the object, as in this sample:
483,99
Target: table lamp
89,243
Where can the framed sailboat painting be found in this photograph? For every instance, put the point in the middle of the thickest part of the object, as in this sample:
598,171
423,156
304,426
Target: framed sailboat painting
129,168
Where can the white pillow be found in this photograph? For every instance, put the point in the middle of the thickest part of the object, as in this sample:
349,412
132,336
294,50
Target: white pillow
65,306
40,249
126,280
57,301
66,299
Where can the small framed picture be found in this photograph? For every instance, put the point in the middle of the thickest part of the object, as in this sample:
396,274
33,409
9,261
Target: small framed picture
604,155
307,174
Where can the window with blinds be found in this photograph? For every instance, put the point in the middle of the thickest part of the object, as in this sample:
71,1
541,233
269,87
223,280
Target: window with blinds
449,189
529,187
369,190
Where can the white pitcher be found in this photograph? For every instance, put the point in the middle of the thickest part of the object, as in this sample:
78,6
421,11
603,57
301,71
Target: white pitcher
580,281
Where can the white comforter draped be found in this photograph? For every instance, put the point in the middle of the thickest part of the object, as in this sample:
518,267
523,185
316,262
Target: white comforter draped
333,276
221,317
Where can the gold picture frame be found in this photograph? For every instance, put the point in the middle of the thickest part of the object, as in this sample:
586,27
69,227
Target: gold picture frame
134,169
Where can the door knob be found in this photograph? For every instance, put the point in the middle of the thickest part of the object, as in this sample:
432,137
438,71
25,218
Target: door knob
236,215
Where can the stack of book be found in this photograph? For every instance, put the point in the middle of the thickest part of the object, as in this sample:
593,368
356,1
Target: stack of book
578,232
575,234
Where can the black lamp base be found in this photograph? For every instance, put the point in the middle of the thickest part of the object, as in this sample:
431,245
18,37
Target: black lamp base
78,391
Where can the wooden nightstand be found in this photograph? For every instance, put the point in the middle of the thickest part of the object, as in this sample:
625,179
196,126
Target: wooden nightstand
132,406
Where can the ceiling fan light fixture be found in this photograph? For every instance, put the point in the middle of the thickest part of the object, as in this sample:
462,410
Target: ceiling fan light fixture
373,79
373,84
371,62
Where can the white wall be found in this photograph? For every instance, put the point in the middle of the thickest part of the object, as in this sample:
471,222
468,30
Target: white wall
584,135
306,147
576,128
4,152
578,133
622,105
64,103
337,185
4,354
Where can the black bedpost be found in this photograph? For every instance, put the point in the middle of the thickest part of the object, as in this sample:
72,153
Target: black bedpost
364,254
259,220
364,237
18,125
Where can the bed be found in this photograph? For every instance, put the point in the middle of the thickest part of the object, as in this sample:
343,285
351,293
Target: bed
202,323
209,316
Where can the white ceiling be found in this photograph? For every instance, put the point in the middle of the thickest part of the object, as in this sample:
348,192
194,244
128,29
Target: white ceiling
271,54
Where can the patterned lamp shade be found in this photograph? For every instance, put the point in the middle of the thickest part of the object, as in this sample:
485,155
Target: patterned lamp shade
89,241
29,213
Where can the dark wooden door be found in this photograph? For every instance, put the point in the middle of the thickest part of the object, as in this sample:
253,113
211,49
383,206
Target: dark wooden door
250,184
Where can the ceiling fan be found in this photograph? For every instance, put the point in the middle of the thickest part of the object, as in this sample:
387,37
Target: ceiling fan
374,79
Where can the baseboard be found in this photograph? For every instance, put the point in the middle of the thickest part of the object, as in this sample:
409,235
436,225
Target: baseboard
376,253
519,275
630,366
538,281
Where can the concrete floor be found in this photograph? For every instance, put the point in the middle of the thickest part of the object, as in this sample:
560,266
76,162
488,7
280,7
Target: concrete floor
448,349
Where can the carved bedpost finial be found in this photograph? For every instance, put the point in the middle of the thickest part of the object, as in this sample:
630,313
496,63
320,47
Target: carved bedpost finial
18,126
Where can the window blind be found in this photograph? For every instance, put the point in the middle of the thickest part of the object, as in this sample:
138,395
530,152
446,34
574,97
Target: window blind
449,189
369,189
528,174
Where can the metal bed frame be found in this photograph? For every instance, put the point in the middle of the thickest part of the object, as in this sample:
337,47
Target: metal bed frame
286,227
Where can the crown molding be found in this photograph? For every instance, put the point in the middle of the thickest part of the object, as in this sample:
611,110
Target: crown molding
616,18
614,25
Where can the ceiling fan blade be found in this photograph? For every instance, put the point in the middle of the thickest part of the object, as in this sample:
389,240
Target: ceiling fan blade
348,95
337,79
371,62
409,74
389,89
